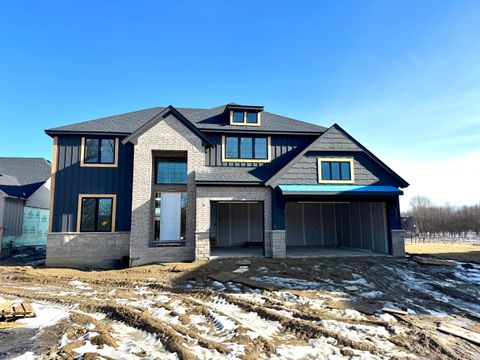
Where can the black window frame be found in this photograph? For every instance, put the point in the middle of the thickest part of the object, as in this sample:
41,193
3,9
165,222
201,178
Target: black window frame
97,201
99,151
245,118
158,158
239,157
340,172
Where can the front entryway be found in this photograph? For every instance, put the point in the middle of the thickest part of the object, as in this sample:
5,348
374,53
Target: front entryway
355,225
170,216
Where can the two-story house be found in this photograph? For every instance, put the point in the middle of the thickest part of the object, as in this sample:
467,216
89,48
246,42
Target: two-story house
177,184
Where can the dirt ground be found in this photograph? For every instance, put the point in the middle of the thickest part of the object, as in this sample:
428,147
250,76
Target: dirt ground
269,309
459,252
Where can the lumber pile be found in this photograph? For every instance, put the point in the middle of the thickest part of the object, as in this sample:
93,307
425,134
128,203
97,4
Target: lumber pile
9,312
462,333
433,261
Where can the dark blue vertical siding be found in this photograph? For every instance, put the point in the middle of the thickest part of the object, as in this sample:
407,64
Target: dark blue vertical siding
72,180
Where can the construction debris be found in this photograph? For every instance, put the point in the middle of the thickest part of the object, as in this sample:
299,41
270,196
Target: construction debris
395,311
432,261
465,334
9,312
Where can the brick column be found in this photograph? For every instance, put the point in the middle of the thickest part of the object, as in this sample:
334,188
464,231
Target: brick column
202,246
275,242
398,242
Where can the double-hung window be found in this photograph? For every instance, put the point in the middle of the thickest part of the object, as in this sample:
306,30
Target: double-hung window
245,148
99,152
96,213
335,170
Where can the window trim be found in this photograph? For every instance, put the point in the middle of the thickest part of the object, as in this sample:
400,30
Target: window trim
335,159
96,196
227,160
245,123
82,153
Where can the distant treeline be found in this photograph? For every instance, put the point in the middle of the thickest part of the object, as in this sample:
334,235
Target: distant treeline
426,219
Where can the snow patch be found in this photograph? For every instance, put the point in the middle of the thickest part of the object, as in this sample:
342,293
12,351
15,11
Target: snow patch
46,315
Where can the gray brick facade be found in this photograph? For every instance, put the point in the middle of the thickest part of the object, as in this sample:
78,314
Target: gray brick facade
87,250
170,135
398,242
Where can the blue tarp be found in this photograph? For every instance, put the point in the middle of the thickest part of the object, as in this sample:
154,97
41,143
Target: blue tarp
321,189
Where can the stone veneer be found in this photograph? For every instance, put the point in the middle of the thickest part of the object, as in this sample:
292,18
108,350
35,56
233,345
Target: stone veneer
398,242
87,250
169,134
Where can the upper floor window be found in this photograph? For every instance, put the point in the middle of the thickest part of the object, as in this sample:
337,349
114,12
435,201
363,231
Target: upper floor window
335,170
170,170
96,213
251,118
246,148
99,152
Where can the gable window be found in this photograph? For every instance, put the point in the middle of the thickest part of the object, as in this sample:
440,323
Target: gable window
246,148
96,213
99,152
170,170
250,118
335,170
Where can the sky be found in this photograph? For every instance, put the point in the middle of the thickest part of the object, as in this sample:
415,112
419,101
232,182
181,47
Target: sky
402,77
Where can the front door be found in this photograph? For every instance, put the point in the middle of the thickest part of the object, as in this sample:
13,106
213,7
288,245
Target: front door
170,217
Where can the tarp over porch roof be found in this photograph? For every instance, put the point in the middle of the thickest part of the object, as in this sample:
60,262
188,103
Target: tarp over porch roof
321,189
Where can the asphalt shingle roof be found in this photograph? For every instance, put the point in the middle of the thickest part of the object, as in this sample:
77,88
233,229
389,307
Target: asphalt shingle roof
204,119
21,177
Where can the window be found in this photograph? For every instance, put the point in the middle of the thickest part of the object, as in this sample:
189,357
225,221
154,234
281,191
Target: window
250,118
238,117
96,213
246,148
171,170
336,170
99,152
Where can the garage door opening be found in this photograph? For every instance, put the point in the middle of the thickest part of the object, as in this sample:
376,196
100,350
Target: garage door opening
236,229
358,226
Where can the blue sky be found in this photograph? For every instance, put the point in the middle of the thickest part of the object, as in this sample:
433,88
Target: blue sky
403,77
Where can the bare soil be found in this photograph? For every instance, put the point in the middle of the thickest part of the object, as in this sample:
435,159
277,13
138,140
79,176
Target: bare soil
320,308
458,252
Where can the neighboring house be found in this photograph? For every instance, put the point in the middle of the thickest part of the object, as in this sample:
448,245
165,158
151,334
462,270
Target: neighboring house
173,184
24,201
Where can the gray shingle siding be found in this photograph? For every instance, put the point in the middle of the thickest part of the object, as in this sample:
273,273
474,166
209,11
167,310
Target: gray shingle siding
366,171
334,140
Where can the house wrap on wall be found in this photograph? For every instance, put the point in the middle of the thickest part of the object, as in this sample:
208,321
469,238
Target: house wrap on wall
24,202
173,184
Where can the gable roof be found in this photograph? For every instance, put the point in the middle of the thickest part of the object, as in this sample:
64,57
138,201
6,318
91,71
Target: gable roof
203,119
21,177
356,146
163,114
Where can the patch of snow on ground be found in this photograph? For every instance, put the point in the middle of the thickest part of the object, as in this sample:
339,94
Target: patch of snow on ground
469,275
46,315
358,280
241,269
262,269
371,294
218,285
27,356
249,320
289,283
80,285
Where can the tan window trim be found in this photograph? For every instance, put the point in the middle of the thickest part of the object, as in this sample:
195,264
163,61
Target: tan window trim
342,159
79,208
258,123
268,159
82,156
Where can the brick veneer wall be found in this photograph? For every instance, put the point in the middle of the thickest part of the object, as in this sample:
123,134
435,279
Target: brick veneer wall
87,250
398,243
170,135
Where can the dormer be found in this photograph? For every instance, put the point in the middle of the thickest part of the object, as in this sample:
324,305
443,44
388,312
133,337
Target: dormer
243,115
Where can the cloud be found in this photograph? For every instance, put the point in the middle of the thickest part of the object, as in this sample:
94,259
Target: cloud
454,180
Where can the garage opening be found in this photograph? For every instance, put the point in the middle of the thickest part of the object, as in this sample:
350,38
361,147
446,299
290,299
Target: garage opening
236,229
350,225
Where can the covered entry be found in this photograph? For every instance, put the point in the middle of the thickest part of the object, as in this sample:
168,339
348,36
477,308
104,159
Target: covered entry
359,225
237,224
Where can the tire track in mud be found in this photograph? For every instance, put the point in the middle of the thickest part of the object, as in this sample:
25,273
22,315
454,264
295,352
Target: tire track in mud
300,328
172,337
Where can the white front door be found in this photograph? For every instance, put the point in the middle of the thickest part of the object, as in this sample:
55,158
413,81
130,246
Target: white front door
170,216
